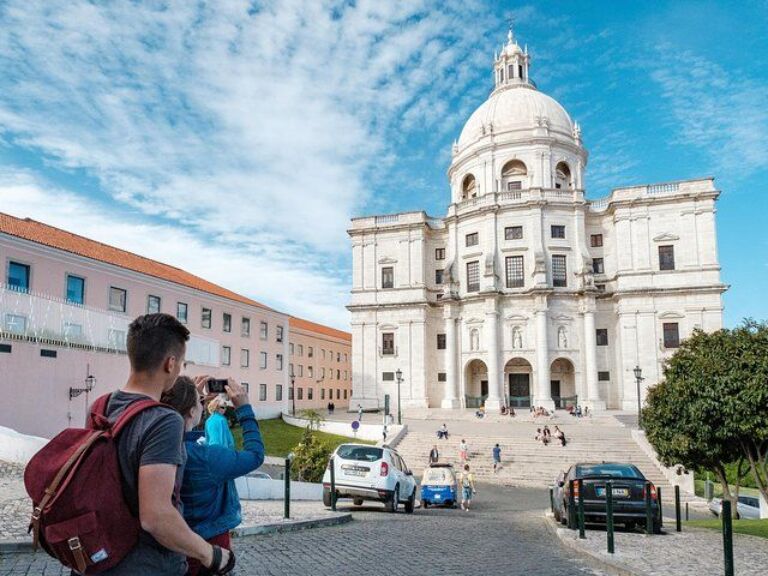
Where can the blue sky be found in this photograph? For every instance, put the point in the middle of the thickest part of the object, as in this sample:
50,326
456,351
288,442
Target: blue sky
236,139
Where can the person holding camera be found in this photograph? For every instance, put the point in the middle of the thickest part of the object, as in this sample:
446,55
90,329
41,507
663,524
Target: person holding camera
208,492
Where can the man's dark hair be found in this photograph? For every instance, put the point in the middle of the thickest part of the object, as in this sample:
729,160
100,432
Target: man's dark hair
153,337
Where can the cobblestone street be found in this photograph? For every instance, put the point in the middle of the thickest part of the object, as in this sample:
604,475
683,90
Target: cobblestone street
503,534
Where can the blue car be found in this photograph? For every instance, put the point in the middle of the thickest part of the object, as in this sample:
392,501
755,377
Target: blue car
439,486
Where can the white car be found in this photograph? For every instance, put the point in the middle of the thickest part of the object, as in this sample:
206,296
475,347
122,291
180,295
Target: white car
365,472
748,507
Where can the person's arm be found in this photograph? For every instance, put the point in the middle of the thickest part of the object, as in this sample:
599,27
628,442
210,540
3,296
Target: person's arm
227,464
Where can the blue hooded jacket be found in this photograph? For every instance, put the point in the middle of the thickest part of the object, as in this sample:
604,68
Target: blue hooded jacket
211,502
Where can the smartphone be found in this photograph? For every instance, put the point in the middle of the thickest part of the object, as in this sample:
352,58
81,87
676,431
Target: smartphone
217,385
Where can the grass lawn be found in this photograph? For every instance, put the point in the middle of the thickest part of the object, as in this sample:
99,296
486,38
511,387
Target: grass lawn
743,491
751,527
281,438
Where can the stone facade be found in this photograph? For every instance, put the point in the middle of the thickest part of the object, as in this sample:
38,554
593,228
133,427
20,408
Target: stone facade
526,292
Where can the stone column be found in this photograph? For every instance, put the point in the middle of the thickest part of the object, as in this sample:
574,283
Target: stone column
492,337
451,394
543,395
590,356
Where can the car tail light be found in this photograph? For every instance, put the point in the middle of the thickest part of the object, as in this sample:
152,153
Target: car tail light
384,469
575,490
654,496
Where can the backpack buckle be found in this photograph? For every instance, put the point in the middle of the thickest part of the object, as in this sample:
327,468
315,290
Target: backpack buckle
36,513
74,543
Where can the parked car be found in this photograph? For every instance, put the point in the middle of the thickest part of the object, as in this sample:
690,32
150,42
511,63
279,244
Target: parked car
365,472
439,486
747,508
260,475
628,494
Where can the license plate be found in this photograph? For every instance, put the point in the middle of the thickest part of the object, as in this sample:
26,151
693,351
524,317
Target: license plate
619,492
437,496
355,471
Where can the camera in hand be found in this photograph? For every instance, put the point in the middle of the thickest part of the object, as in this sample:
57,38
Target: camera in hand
217,385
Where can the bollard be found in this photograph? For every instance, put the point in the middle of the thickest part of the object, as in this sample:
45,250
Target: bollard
571,507
686,511
581,509
678,523
609,514
725,514
552,499
661,507
333,485
287,496
648,512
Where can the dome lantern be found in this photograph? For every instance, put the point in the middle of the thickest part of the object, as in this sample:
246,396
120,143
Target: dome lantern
510,66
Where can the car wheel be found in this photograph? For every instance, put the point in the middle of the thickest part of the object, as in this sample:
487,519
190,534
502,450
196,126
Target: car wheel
410,504
424,504
357,501
326,497
394,500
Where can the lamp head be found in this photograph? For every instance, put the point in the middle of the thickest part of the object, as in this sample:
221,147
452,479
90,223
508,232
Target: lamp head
638,372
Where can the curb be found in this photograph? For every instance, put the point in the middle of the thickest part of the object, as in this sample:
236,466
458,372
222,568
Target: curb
11,546
616,568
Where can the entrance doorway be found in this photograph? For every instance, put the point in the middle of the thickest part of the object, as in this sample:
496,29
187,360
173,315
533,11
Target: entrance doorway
554,388
520,390
484,388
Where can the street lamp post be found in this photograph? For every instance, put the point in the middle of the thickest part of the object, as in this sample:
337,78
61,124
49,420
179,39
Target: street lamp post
399,376
639,378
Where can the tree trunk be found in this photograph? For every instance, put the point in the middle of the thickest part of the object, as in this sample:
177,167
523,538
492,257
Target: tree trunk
720,471
758,464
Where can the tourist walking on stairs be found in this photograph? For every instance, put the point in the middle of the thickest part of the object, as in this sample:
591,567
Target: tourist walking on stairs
496,458
434,455
463,451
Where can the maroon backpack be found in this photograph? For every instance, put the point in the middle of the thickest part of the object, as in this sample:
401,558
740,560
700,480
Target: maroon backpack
80,516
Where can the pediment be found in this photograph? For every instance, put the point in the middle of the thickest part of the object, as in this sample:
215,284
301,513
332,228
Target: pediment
387,260
387,327
562,318
517,318
670,314
474,320
666,237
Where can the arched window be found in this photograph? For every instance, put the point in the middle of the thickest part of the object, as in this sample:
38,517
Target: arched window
563,176
468,187
514,176
474,339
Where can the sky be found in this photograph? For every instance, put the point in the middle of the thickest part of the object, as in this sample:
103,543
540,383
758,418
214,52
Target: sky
236,139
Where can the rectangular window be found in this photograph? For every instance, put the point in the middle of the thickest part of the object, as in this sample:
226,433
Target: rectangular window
153,304
301,349
181,312
438,277
117,299
205,319
16,323
279,392
309,393
116,339
666,257
72,330
290,393
301,394
245,358
441,377
322,393
388,343
279,333
290,370
245,327
279,361
596,240
338,394
76,290
600,287
338,356
671,335
18,276
558,231
226,322
338,374
263,360
226,355
322,372
514,185
48,353
439,253
310,371
515,272
310,352
603,376
559,274
388,277
345,394
301,370
601,335
263,330
290,348
322,353
473,276
472,239
262,392
441,341
597,266
513,233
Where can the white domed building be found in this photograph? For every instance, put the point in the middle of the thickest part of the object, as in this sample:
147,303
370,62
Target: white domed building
526,293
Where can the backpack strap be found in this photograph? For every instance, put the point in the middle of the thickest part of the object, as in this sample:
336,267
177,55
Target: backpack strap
133,410
97,416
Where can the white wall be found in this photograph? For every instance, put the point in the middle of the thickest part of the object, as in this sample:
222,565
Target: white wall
265,489
18,448
371,432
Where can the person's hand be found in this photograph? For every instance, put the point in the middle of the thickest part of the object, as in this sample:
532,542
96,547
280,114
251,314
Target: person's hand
201,383
237,393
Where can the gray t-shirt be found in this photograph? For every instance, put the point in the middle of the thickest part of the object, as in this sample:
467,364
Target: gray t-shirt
155,436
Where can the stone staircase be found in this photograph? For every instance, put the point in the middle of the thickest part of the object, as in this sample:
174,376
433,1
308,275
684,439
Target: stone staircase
525,461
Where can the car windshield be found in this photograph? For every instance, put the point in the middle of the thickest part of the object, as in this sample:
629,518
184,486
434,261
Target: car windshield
436,476
364,453
608,470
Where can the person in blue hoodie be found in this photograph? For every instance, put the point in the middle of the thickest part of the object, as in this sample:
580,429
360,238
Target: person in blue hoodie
217,430
211,505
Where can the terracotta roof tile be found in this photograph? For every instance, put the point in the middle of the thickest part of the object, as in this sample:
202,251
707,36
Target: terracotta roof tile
40,233
302,324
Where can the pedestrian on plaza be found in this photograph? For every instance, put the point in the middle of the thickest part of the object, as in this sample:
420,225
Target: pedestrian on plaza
151,456
442,432
560,435
217,432
467,482
330,408
434,455
496,458
463,451
208,492
359,412
384,434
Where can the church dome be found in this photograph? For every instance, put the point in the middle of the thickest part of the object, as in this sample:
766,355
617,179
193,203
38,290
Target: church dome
515,108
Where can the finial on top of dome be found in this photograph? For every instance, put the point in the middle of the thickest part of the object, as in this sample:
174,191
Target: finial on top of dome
510,36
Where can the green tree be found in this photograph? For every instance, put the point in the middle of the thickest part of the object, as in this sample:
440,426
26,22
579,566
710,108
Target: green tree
310,458
711,409
313,417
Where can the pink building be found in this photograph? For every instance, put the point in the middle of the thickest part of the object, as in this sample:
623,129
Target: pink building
65,306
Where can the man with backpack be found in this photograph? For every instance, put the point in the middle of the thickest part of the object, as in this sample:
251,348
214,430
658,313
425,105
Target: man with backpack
145,438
